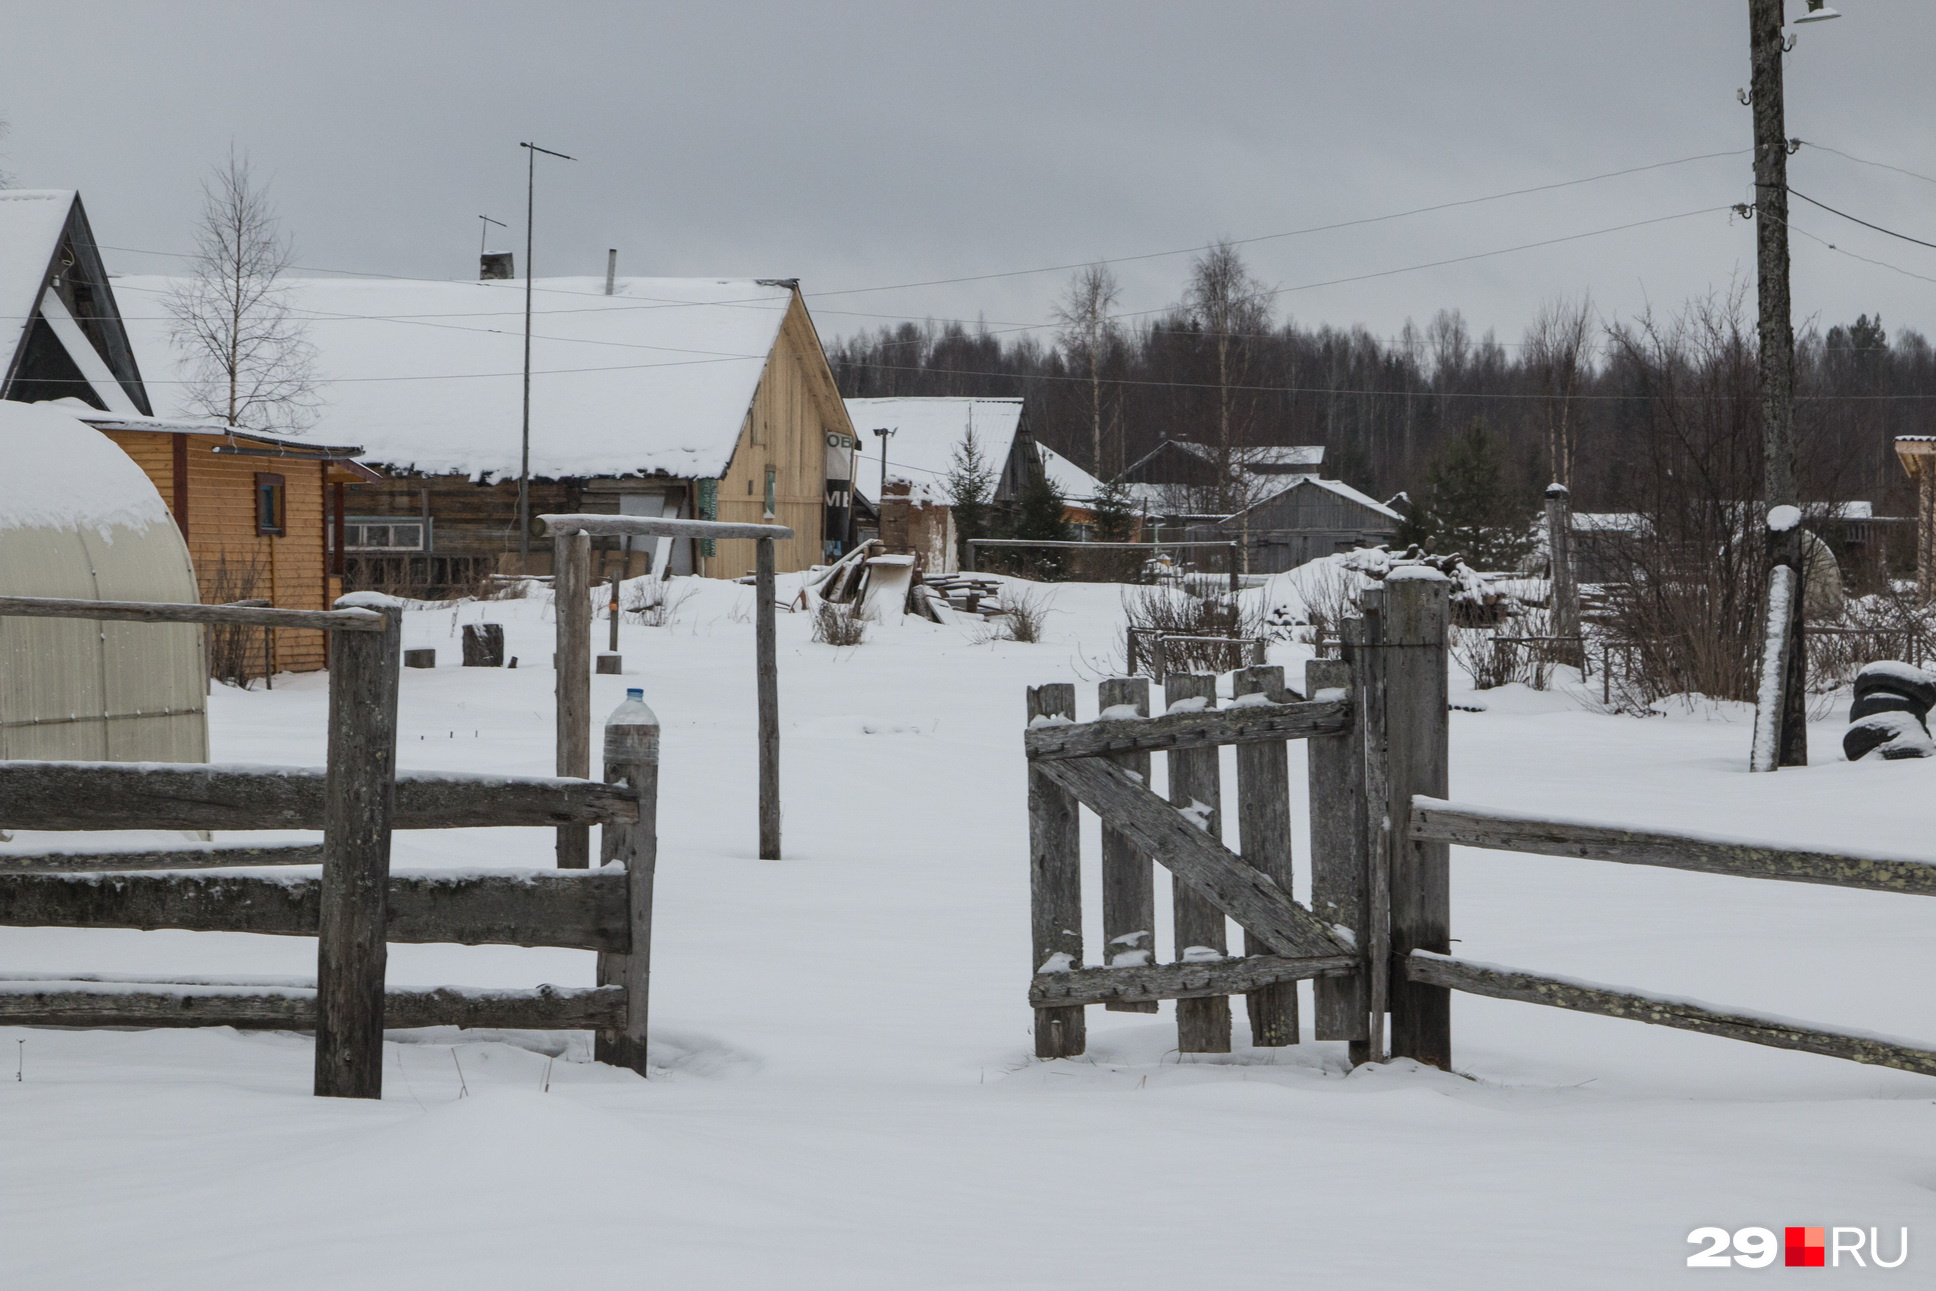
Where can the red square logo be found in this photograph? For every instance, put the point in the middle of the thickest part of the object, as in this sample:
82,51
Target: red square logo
1804,1248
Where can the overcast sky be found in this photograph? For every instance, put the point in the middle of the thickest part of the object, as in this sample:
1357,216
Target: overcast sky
860,145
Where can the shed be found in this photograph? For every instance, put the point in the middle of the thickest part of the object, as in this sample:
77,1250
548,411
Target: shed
79,520
1304,521
697,397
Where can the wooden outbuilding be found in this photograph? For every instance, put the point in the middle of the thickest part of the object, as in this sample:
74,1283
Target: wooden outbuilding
1302,522
263,516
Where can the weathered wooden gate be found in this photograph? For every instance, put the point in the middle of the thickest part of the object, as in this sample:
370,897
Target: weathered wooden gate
1376,725
1376,935
356,906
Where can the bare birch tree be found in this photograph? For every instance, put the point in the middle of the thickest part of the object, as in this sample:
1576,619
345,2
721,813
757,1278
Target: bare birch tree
1087,330
249,362
1558,354
1233,310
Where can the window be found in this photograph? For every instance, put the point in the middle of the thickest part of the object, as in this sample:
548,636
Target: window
383,533
270,504
772,477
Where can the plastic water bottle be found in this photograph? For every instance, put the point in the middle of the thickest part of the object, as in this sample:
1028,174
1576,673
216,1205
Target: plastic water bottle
633,712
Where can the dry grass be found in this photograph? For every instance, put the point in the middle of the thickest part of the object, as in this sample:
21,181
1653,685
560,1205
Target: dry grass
1024,616
839,624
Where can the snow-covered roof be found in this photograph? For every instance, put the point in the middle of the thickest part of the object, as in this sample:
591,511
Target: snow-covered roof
1609,522
427,376
926,434
1263,459
1338,487
31,221
195,426
1071,482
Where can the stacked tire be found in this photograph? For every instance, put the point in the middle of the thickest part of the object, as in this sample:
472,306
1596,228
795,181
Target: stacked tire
1890,714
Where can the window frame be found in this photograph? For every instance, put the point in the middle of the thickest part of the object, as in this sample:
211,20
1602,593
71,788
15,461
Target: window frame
276,487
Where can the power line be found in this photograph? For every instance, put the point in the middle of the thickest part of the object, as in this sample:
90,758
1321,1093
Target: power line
1012,273
1293,233
1858,220
1880,165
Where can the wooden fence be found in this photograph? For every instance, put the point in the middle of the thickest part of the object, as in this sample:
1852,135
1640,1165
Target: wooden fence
355,906
1375,931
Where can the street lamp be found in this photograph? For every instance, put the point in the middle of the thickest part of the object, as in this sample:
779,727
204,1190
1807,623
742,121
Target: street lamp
524,449
1818,11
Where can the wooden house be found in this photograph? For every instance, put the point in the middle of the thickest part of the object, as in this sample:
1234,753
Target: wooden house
255,510
706,398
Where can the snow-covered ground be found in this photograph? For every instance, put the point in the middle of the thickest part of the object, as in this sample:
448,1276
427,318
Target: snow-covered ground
847,1097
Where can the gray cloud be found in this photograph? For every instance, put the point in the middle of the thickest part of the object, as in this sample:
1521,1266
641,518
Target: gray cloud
855,145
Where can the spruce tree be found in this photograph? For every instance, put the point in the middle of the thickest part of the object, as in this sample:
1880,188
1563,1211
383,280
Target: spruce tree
1469,507
1041,517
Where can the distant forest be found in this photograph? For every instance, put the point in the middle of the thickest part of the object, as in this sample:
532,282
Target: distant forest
1613,407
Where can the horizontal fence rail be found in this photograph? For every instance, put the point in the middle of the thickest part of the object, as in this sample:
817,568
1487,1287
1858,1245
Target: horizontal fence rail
146,795
1237,724
89,1002
585,911
346,620
1684,1015
1181,981
607,526
1470,826
172,858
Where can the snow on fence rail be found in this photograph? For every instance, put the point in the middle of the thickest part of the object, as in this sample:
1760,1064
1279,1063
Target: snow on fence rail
355,906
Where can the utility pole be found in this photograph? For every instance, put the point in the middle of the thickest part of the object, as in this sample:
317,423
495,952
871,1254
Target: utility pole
1777,330
1776,347
524,444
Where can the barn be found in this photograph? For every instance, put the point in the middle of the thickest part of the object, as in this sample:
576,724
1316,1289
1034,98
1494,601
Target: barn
697,397
79,520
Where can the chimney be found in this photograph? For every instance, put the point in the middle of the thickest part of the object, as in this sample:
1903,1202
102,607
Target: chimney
611,269
493,265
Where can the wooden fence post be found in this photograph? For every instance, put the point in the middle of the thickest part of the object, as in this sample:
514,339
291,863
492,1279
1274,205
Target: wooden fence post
1128,876
1361,642
1264,835
1340,868
632,758
1055,883
769,701
359,793
1202,1025
1565,589
571,568
1417,609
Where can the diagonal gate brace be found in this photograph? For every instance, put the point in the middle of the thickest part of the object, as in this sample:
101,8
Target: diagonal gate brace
1159,830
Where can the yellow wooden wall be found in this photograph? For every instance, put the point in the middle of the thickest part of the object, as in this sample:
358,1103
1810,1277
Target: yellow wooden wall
232,560
796,405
